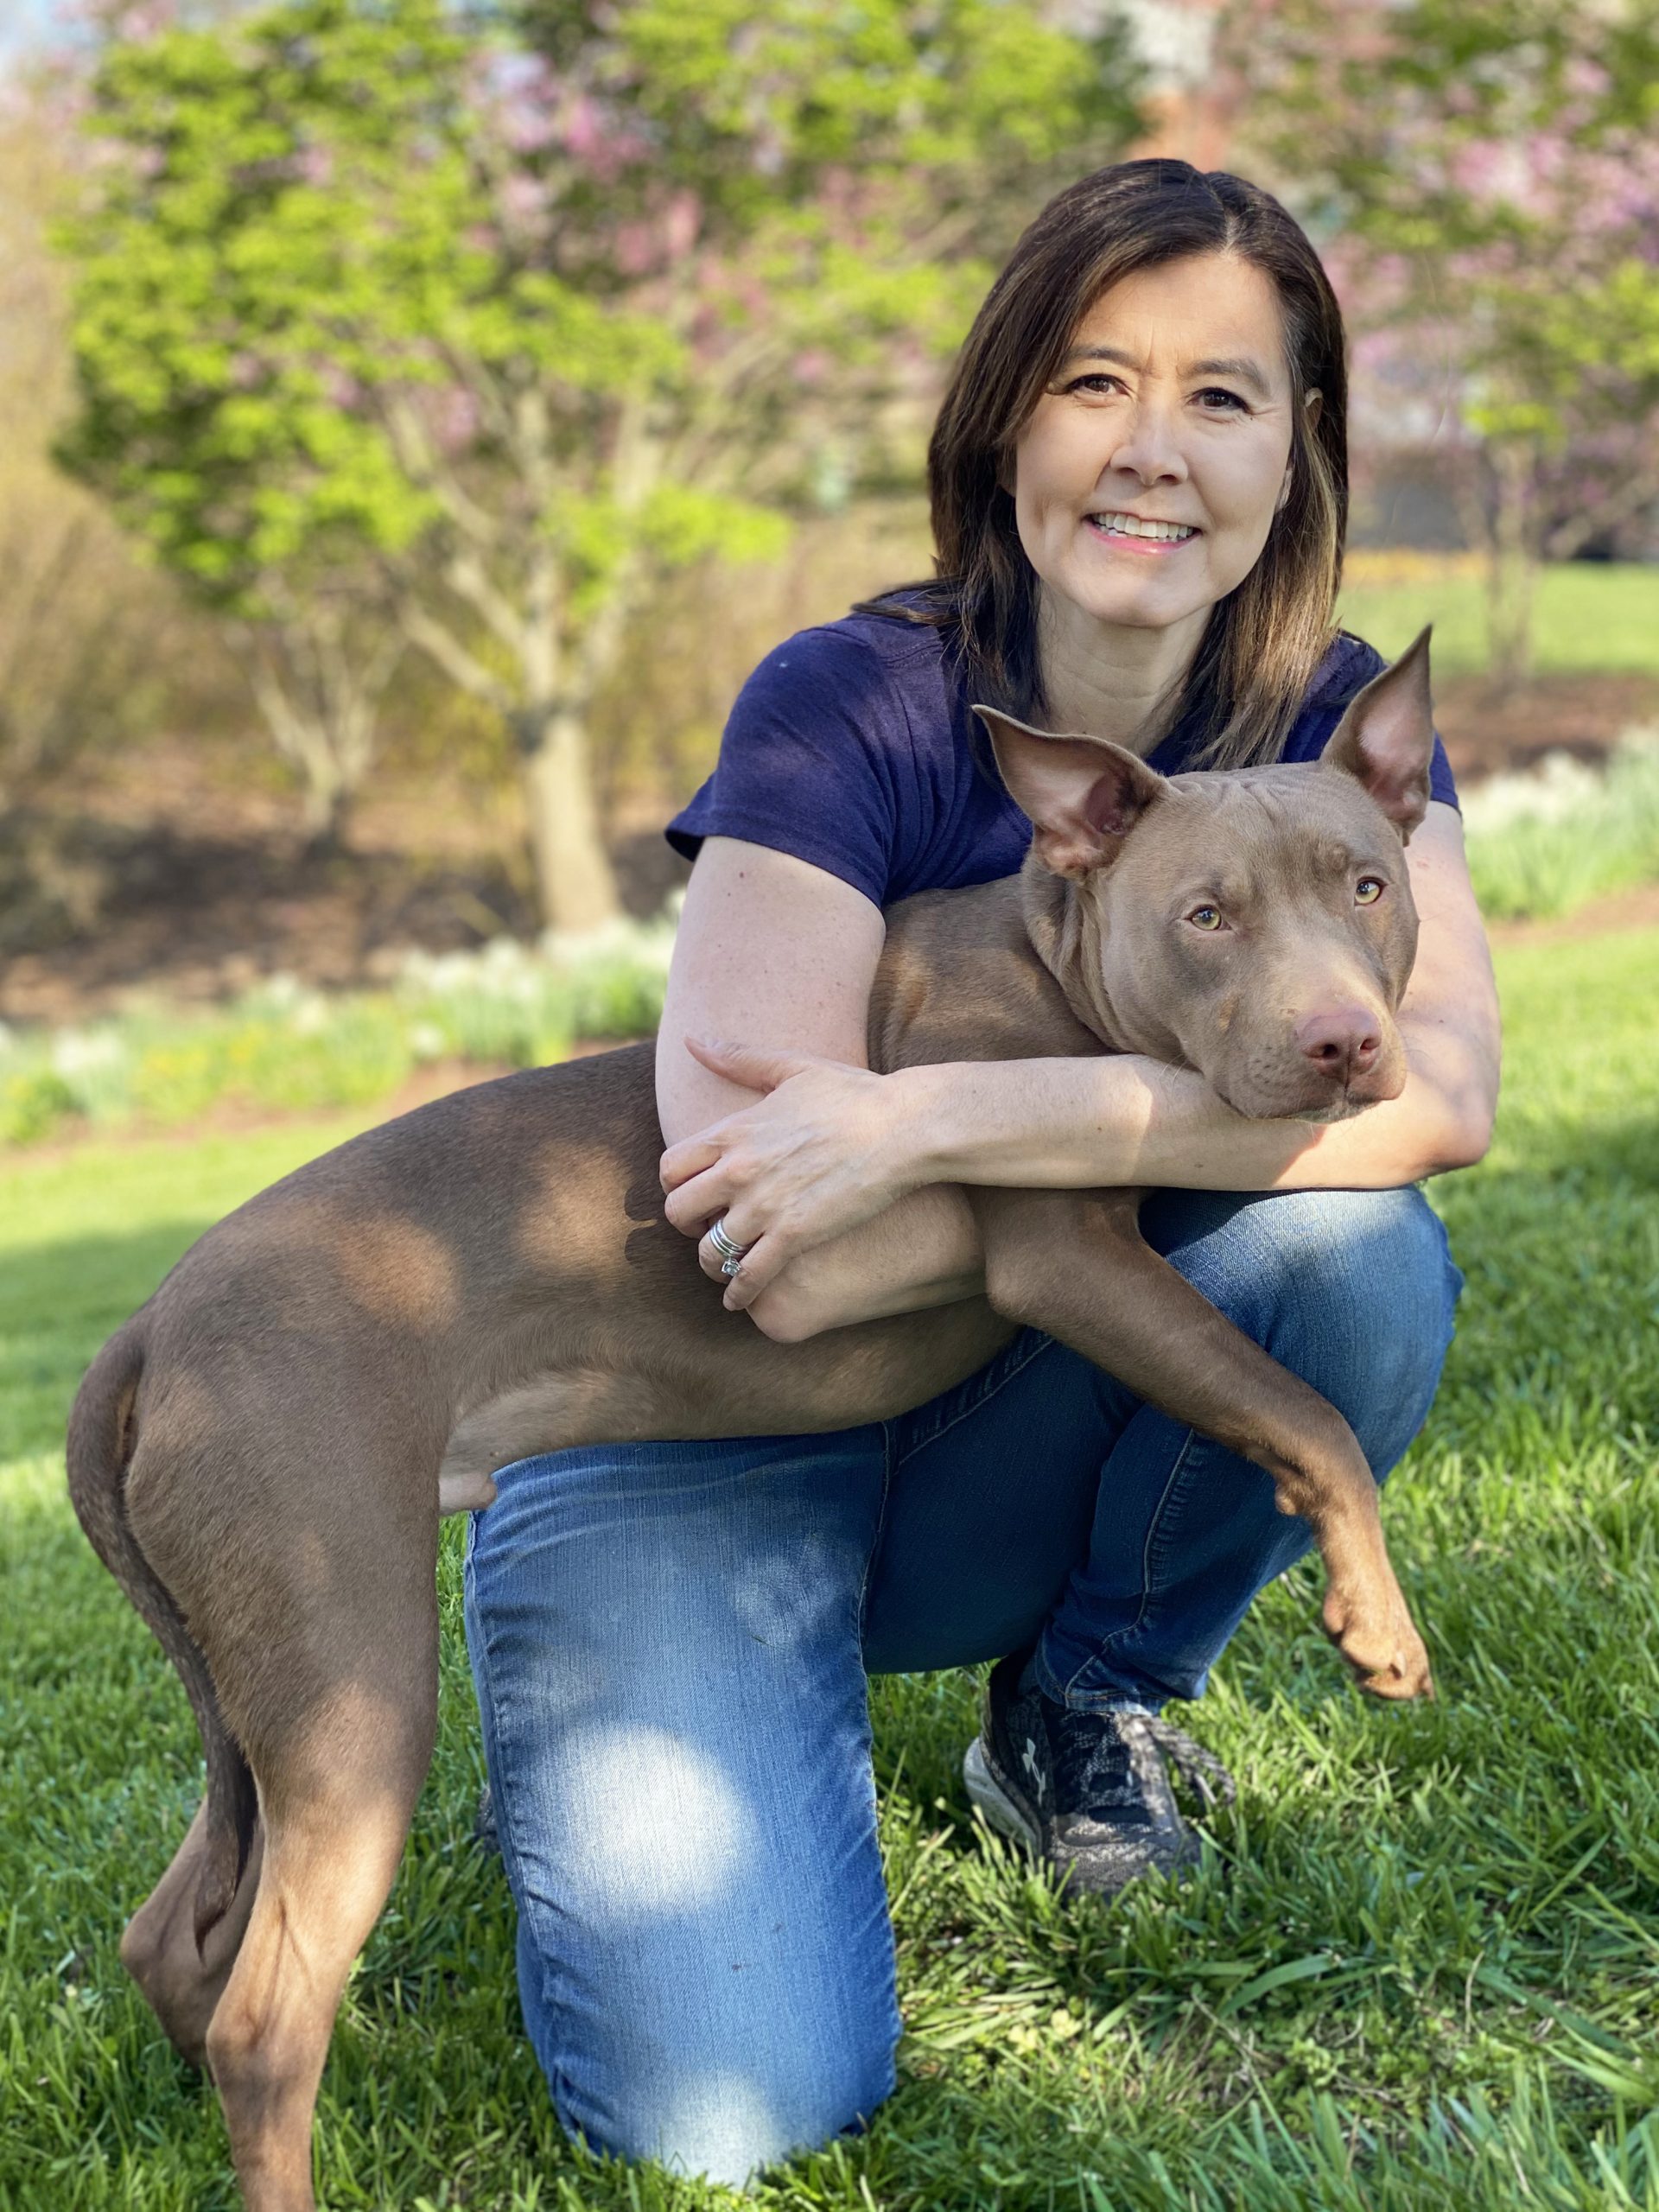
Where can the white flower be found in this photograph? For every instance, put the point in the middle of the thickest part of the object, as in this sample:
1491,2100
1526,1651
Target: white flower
86,1052
1558,787
281,990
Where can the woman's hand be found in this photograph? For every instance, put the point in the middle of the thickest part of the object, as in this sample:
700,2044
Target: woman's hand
823,1151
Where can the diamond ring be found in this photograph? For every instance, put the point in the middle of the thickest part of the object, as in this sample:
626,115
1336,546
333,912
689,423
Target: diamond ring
727,1250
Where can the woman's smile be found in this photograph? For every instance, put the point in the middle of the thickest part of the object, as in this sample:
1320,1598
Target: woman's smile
1141,535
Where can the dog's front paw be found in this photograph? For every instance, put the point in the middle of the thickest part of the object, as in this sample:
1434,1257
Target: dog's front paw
1381,1643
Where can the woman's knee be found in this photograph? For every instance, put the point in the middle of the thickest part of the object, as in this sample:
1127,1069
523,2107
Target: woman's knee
732,2107
705,1961
1354,1290
719,2013
665,1643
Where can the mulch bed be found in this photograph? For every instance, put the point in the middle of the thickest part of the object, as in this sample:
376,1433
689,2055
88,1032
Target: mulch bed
180,873
1488,731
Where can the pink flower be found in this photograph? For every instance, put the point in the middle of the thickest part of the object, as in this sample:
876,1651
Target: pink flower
634,248
682,223
341,388
584,137
453,416
522,198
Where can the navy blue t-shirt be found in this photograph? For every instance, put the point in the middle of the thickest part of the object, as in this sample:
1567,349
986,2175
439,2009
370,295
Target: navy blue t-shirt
852,746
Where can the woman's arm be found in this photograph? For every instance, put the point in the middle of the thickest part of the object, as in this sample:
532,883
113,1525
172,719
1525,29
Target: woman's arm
833,1146
784,954
770,948
1047,1122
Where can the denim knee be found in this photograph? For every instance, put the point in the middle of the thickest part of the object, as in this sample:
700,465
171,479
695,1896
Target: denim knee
664,1641
1355,1291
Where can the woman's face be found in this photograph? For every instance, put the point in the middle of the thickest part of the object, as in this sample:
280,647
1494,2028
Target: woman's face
1171,407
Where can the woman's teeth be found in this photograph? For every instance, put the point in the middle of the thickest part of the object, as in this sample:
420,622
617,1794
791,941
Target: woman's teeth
1133,526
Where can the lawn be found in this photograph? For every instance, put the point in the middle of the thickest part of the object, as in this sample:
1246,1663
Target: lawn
1419,1971
1590,617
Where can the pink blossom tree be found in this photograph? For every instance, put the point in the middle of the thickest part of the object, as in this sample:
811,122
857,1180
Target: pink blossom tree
535,314
1486,174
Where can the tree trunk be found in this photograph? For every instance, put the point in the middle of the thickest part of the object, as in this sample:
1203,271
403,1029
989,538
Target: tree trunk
573,870
319,686
1511,570
327,812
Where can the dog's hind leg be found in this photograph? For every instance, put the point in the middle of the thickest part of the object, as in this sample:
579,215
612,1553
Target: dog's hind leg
337,1788
302,1555
182,1981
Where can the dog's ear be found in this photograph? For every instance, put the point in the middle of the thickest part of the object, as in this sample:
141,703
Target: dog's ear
1084,795
1386,739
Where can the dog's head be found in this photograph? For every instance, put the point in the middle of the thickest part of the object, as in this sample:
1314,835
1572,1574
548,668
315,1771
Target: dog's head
1256,924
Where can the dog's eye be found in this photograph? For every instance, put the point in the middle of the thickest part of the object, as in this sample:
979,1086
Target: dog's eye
1206,918
1368,890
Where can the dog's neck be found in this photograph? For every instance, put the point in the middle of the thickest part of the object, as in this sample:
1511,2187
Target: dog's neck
1067,931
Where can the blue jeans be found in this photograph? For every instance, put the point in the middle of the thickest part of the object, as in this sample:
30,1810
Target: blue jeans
670,1643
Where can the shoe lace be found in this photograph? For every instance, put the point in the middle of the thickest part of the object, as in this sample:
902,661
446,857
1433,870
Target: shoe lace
1200,1770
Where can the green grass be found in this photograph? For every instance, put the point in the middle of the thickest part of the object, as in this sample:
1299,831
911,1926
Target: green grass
1419,1973
1592,617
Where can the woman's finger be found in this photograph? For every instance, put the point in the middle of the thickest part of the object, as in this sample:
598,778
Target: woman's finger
694,1204
756,1067
692,1156
763,1262
710,1258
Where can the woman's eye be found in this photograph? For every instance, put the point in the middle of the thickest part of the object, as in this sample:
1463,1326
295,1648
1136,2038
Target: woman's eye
1369,890
1093,382
1228,401
1206,918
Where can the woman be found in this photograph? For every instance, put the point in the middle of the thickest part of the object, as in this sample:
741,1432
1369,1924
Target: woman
1139,490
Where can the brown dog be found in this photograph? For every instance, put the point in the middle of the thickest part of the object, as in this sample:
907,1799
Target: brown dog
261,1455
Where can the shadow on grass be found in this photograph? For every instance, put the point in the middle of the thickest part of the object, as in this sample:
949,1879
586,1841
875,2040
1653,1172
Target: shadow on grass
58,1301
81,1276
1620,1154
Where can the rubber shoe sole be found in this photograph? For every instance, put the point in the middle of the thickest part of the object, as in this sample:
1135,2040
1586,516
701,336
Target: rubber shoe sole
1000,1809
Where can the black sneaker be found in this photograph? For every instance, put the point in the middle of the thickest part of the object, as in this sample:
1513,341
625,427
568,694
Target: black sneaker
1089,1792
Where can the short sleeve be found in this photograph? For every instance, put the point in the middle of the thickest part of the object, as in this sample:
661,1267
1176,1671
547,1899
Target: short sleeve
809,763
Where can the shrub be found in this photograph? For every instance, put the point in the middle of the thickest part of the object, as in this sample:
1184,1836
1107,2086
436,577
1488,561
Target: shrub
34,1105
1543,843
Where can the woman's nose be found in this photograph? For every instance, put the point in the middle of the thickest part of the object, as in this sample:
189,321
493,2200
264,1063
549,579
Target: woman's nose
1152,449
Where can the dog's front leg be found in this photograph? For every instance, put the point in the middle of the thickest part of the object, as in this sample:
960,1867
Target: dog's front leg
1074,1264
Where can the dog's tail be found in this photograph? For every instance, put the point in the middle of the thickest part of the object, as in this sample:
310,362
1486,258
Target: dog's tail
103,1435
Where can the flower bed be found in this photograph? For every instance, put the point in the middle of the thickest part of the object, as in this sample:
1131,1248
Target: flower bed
291,1048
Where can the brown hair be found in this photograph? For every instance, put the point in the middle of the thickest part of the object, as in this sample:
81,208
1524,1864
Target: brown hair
1265,639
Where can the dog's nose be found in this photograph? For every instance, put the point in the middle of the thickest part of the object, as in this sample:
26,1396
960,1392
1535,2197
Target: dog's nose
1342,1043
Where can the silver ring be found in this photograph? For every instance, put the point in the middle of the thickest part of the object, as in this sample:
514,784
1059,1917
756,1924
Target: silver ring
727,1250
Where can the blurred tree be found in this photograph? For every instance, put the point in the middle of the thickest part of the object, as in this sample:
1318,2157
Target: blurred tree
210,414
540,307
1487,172
78,617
